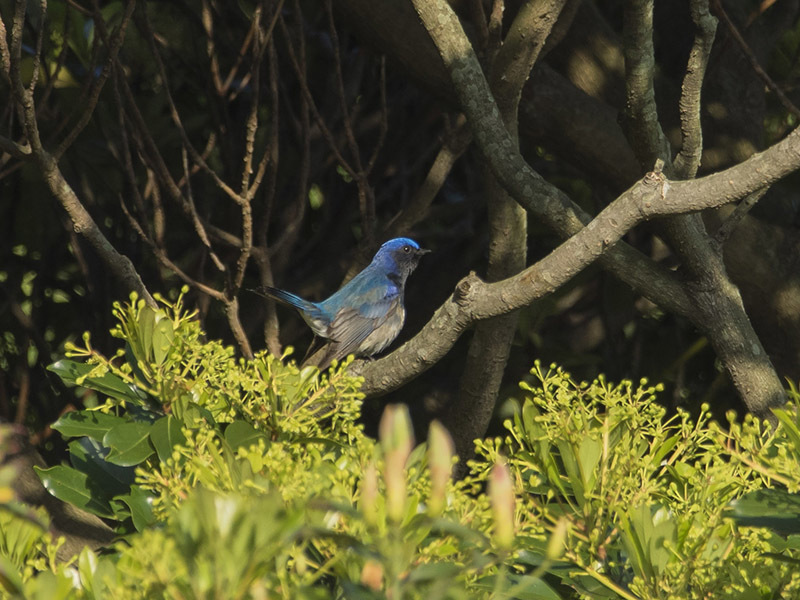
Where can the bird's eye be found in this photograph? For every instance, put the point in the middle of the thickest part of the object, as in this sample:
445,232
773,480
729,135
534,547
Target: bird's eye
406,249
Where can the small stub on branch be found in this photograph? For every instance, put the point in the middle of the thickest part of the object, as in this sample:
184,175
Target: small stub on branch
657,174
659,166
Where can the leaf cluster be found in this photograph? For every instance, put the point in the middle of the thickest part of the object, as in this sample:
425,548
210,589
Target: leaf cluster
232,478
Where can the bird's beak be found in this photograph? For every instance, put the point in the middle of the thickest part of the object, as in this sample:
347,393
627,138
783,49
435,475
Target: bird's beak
422,251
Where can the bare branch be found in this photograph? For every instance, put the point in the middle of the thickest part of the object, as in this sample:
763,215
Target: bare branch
5,53
491,343
176,117
688,159
654,196
753,60
735,218
15,149
113,43
719,310
82,221
546,202
641,114
521,47
366,199
453,146
37,54
164,259
301,80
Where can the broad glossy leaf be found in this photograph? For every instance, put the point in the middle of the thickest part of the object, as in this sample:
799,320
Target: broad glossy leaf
777,509
74,487
165,434
140,504
88,456
129,444
107,383
241,433
90,423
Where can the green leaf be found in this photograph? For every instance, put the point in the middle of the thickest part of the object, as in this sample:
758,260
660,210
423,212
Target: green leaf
74,487
589,454
163,335
790,426
776,509
524,587
644,530
129,444
107,383
241,433
90,423
10,579
140,504
146,325
664,449
433,571
88,456
531,588
165,434
569,458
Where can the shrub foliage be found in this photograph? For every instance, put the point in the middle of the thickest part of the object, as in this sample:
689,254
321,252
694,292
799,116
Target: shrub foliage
227,478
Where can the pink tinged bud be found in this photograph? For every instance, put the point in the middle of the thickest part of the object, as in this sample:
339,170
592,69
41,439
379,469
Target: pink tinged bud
372,575
397,440
501,496
440,462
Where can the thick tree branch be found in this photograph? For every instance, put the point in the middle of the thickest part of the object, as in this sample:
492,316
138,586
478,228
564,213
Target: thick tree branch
653,197
490,346
543,200
641,115
688,159
719,311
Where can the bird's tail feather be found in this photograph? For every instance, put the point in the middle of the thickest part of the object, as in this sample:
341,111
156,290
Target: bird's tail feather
317,319
285,297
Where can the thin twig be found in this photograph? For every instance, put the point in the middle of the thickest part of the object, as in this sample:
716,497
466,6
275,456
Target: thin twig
176,118
37,54
384,122
366,198
161,254
60,62
732,221
323,127
454,145
753,60
114,43
194,217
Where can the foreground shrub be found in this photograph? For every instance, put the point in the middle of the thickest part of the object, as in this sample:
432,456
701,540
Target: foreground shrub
226,478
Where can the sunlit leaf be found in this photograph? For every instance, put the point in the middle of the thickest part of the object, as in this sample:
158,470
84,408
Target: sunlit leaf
129,444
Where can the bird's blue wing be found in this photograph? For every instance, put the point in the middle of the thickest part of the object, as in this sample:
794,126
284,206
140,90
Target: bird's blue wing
367,314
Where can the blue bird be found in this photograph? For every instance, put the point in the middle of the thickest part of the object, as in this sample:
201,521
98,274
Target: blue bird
366,314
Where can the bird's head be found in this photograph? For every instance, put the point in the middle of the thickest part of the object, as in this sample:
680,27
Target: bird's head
399,256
